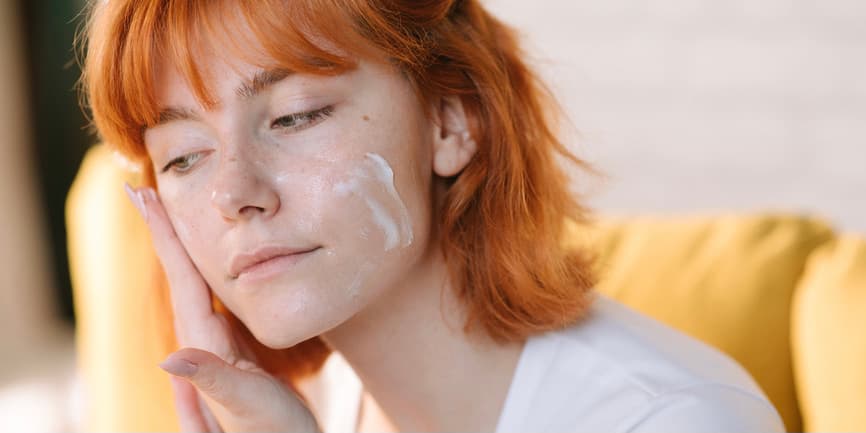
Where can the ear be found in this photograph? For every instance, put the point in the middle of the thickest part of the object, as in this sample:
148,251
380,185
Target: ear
453,144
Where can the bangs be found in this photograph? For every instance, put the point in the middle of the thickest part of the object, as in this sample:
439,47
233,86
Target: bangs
305,36
292,36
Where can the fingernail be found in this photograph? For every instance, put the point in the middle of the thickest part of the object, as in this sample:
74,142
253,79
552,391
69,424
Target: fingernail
136,199
179,367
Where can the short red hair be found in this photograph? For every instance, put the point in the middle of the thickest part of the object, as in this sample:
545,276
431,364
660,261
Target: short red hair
503,215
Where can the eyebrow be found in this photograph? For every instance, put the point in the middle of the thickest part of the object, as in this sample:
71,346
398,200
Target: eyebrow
261,81
170,114
248,89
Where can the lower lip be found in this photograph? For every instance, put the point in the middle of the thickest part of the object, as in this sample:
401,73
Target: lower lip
272,267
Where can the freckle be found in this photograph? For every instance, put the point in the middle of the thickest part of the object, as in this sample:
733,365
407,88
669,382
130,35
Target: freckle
366,118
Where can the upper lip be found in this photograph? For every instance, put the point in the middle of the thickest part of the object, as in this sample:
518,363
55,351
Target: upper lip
243,261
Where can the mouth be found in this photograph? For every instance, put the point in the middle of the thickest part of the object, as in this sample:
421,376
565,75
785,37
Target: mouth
265,263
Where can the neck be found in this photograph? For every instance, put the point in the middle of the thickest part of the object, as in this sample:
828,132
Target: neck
413,357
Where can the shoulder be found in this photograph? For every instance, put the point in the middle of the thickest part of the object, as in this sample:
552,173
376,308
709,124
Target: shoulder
708,407
619,370
649,354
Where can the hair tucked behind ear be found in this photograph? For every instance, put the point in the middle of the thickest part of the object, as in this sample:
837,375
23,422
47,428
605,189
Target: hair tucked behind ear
503,216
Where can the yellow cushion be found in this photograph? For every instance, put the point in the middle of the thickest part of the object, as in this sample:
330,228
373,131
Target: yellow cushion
727,280
118,350
829,337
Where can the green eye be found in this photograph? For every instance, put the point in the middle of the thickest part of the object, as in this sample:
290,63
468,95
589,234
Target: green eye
182,163
299,121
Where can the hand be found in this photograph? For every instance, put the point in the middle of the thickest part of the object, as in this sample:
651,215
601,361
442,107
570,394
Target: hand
218,386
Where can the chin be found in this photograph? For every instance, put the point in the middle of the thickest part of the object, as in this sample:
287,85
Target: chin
286,313
282,331
277,339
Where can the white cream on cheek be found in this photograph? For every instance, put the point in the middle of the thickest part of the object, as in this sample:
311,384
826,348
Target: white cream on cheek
380,216
372,175
377,168
386,175
282,178
360,276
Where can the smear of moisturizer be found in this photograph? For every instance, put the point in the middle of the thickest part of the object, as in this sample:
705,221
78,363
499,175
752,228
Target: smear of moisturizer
360,276
382,219
376,168
386,175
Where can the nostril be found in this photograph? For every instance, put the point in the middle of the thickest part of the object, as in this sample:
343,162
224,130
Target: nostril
252,209
243,195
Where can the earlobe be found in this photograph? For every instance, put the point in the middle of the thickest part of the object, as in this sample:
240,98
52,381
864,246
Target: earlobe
453,146
454,154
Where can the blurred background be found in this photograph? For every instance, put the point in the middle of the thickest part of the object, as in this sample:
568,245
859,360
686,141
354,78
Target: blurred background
688,106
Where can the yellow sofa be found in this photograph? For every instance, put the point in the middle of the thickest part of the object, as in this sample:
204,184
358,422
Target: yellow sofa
782,294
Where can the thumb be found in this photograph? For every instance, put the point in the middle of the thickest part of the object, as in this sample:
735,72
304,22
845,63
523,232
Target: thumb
242,396
217,379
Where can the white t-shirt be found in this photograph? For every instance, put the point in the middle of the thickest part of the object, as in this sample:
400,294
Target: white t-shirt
621,371
615,371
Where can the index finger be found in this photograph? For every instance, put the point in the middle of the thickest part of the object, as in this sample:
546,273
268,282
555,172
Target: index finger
190,294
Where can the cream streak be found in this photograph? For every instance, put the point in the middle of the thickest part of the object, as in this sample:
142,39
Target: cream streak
393,230
386,175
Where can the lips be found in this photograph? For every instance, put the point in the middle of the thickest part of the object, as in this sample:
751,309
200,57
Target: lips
249,262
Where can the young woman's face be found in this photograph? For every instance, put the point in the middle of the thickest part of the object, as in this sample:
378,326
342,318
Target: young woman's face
332,175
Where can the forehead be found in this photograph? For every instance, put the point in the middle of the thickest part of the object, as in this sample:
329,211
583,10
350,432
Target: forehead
227,47
220,74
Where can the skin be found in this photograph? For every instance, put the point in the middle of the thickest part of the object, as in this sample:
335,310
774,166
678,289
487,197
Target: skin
255,183
319,183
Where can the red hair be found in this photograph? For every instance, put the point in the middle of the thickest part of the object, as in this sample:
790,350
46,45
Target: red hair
503,216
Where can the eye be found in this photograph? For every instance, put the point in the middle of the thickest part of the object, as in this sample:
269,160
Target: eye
183,163
299,121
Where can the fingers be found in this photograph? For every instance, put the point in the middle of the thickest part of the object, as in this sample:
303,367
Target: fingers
242,396
186,402
191,299
235,389
206,371
209,419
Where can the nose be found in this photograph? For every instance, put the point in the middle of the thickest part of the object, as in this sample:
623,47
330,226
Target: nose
241,191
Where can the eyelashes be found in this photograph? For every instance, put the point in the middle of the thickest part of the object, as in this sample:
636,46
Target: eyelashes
286,124
183,163
299,121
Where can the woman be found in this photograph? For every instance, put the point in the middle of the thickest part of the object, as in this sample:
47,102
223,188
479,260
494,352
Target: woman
377,178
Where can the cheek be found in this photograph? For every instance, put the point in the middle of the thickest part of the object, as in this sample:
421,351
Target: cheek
368,193
304,199
373,230
193,227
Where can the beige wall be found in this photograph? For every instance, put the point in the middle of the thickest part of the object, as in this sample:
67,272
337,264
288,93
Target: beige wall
702,105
